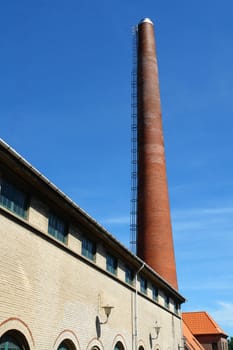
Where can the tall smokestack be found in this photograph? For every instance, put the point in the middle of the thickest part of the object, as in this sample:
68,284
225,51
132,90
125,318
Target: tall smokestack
154,231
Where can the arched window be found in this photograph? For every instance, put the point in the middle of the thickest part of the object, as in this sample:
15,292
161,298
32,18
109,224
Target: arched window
13,340
9,343
119,346
63,347
141,347
66,345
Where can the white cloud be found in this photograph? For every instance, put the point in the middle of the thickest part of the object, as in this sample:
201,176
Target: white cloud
202,211
221,284
203,219
223,314
117,220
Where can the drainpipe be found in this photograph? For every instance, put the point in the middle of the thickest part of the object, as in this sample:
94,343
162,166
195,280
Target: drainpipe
136,309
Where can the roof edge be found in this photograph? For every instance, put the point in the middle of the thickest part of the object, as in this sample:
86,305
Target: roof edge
54,188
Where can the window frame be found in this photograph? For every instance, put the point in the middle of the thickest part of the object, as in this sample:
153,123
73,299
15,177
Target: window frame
15,337
143,285
54,227
129,275
167,301
119,346
155,293
9,341
88,248
111,264
9,200
177,308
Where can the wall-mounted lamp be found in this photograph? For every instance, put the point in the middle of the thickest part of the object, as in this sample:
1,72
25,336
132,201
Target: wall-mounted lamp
157,331
107,310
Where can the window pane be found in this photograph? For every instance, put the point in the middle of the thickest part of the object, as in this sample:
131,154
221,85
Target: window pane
118,346
129,275
8,343
167,301
111,264
13,199
143,285
177,308
57,228
155,293
88,248
63,347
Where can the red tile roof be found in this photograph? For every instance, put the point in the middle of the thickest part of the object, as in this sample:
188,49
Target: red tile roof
201,323
190,341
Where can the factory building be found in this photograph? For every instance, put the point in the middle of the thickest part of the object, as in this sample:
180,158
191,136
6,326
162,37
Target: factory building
66,282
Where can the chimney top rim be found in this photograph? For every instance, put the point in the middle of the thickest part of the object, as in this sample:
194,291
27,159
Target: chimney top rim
146,20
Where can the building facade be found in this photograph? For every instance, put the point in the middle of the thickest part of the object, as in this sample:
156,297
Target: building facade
61,272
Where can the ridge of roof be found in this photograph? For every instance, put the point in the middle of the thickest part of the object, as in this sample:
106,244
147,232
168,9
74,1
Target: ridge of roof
214,323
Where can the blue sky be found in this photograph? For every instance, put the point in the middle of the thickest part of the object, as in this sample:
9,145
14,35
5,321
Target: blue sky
65,90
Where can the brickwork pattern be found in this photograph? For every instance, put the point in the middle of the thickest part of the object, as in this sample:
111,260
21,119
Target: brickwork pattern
58,295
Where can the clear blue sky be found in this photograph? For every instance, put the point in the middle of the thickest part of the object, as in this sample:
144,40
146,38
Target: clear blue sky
65,106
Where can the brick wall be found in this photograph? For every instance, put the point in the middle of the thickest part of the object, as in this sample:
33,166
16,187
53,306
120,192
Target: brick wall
53,293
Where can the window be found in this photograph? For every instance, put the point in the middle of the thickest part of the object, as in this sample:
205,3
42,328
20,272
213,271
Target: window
129,275
57,228
214,346
177,308
155,293
167,301
13,340
119,346
88,248
9,343
66,345
111,264
13,199
143,285
63,347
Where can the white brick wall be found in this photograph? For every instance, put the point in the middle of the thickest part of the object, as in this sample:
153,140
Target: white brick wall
57,294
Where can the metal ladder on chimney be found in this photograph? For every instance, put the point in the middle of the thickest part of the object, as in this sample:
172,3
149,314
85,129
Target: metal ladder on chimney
134,152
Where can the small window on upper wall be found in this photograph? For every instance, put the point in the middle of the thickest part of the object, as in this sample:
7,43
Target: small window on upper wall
13,199
88,248
177,308
111,264
167,301
57,228
143,285
155,293
129,275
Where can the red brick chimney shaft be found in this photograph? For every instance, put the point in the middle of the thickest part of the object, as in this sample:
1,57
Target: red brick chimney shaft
154,237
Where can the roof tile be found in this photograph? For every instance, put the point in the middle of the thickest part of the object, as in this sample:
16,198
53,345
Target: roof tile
201,323
191,342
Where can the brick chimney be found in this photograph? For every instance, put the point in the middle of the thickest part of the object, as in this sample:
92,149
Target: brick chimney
154,231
